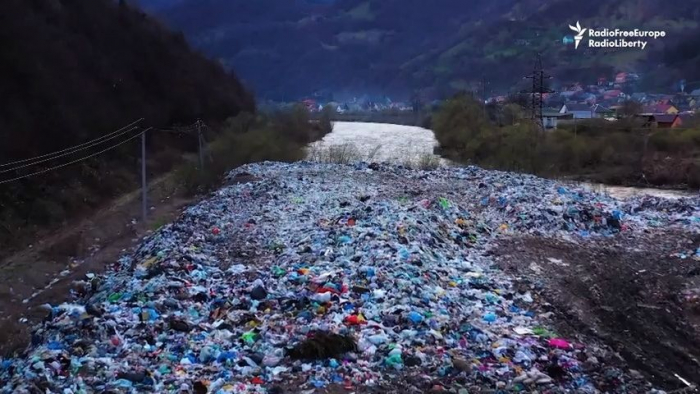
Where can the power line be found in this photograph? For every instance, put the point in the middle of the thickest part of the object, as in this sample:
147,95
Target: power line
74,147
181,130
75,161
538,77
68,153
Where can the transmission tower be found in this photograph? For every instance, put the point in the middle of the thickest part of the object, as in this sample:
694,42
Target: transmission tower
539,88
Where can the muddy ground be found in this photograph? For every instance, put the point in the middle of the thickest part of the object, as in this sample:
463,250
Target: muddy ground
632,292
46,271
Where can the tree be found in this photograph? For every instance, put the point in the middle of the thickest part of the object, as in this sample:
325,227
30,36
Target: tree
630,108
461,127
326,121
511,114
520,99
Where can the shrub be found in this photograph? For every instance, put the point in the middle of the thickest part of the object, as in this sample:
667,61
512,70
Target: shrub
371,155
428,162
280,137
325,123
460,125
618,152
337,154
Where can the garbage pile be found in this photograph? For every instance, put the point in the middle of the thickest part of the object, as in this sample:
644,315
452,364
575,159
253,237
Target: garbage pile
320,276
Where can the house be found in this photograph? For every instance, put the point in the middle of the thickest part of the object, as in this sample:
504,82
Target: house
639,97
550,118
621,78
310,104
695,93
600,112
613,94
584,97
665,99
579,111
662,121
661,109
667,121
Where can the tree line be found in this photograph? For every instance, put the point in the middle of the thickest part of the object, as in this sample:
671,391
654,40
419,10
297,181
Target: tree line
621,152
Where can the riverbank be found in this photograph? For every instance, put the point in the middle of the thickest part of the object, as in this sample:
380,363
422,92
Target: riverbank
413,146
404,118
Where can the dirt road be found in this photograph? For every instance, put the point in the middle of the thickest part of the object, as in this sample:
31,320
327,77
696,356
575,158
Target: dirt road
634,293
46,271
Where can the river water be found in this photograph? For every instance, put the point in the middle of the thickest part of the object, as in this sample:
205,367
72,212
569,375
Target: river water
404,144
622,192
384,142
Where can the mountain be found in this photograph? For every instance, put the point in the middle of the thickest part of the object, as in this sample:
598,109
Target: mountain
291,48
503,50
294,47
77,70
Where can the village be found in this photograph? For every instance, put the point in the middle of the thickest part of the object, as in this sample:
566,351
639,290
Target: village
612,100
609,99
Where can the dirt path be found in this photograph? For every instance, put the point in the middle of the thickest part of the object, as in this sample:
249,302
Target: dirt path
634,293
47,271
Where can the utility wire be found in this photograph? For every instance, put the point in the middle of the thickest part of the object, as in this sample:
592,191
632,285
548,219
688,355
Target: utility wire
75,161
180,130
68,153
132,124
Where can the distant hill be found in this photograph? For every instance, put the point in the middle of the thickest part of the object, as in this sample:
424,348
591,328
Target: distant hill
288,48
76,70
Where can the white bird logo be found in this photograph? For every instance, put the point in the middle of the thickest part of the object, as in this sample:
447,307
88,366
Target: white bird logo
578,29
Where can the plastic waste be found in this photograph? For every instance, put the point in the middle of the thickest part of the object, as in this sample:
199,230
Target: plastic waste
392,262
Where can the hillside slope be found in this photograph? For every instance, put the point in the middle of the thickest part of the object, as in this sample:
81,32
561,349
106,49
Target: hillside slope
391,46
73,71
347,46
502,52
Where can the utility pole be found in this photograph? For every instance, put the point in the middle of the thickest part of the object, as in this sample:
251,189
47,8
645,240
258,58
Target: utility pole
417,105
483,96
144,186
538,77
199,141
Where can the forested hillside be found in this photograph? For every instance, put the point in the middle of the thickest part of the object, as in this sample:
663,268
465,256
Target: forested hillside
77,70
395,46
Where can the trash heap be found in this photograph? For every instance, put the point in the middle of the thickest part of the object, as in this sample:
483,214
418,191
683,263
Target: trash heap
318,277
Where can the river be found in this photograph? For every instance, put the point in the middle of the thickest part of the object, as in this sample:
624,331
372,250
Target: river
403,144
